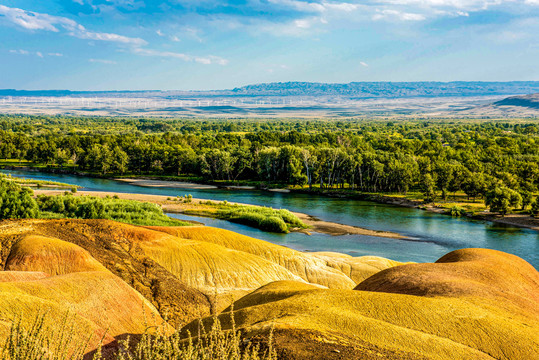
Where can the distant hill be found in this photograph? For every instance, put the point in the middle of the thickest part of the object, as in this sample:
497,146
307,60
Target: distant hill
528,101
391,89
353,90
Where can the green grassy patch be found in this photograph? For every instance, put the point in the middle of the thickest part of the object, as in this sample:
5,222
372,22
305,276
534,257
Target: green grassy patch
38,183
263,218
89,207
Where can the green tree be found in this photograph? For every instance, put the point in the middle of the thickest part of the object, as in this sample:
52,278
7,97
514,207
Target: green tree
16,202
444,175
473,184
527,198
534,211
427,186
502,199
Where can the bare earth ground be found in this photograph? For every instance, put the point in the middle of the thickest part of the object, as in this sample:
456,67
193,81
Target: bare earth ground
173,206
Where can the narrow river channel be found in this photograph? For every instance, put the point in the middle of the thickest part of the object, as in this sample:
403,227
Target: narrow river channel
430,235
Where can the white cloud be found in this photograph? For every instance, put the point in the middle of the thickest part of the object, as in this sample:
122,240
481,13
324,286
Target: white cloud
459,4
298,27
38,21
206,60
102,61
405,16
20,51
171,37
35,53
316,7
362,63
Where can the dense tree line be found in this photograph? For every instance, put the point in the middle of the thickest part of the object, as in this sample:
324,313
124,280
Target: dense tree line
368,156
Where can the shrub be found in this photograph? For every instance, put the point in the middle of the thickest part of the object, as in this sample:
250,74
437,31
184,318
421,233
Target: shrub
16,202
87,207
37,342
456,210
263,218
40,343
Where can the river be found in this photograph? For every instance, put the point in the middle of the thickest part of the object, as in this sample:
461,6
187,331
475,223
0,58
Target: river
430,235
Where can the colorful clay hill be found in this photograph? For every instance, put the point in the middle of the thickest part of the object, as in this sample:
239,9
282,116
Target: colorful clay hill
113,280
470,304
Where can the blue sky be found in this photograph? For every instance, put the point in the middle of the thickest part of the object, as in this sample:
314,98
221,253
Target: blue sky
207,44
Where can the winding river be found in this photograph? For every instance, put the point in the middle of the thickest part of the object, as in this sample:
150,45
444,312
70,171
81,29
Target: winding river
429,235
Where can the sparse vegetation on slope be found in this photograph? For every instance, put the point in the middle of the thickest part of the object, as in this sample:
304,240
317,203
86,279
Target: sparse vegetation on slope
36,341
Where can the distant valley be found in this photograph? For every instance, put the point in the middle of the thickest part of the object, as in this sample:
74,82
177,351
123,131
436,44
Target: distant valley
291,99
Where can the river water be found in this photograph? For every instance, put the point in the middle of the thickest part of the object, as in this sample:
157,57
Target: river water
430,235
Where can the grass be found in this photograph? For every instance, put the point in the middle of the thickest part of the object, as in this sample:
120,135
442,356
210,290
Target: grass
39,342
263,218
38,183
89,207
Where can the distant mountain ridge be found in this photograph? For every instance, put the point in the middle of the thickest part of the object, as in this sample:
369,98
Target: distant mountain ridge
391,89
529,101
353,90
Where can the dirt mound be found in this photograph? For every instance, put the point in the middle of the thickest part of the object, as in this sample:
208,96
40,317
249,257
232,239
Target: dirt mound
51,256
81,291
342,273
9,276
460,322
478,273
112,245
183,271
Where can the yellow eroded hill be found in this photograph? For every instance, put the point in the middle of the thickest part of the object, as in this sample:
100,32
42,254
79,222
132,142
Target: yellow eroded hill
51,256
356,268
114,246
98,302
489,275
328,271
8,276
313,323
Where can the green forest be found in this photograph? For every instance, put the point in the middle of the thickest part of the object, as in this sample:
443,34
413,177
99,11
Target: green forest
497,161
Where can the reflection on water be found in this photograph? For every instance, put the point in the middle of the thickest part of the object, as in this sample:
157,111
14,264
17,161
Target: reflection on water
433,234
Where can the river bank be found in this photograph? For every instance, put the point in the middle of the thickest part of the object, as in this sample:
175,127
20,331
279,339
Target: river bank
517,220
200,207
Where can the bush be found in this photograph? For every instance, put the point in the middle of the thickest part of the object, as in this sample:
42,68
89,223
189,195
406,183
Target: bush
38,342
456,210
263,218
16,202
87,207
